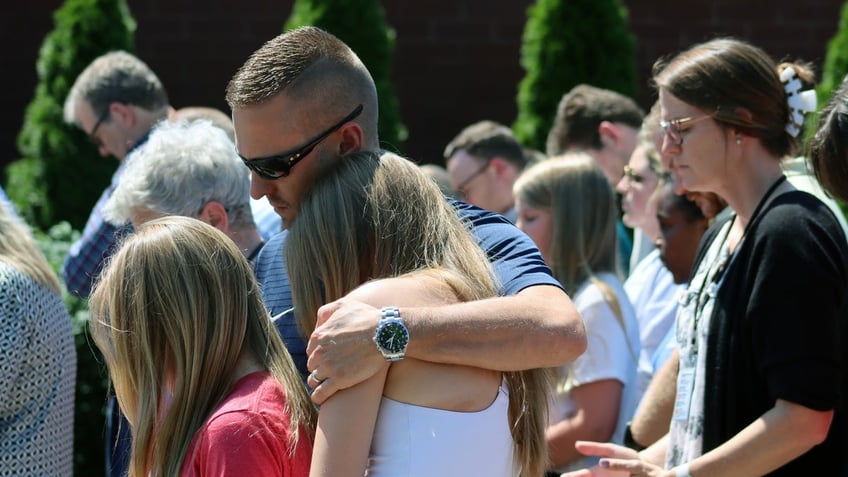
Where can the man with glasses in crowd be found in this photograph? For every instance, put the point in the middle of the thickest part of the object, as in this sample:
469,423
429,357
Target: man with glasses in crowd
483,161
116,101
300,104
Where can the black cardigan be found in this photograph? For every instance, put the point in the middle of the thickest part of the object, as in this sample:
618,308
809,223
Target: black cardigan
778,328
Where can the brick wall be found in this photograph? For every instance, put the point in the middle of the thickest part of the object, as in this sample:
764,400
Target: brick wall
456,61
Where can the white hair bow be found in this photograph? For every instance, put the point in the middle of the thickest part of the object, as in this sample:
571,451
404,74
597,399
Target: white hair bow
800,102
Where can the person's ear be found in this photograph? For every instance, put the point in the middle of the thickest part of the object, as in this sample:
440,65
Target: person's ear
351,139
214,214
608,133
498,165
122,113
745,115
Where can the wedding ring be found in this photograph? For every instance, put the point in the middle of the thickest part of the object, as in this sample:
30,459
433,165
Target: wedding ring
314,376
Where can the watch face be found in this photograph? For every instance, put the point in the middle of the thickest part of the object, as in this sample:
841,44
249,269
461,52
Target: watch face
393,337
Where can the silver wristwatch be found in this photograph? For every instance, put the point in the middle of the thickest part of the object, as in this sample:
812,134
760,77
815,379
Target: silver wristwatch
391,336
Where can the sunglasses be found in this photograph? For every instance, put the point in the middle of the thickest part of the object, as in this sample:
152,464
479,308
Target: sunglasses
91,136
673,131
280,165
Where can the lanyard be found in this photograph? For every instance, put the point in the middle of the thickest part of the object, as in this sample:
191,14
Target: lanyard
723,260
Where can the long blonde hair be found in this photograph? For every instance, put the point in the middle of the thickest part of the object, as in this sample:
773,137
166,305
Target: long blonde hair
582,204
178,303
19,250
583,209
378,216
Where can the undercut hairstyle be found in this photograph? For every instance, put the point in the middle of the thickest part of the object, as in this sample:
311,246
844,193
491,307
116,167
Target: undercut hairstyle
178,303
828,149
19,250
738,84
183,166
311,65
116,77
487,140
582,110
379,216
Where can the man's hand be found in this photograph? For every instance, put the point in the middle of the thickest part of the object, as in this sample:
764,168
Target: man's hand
341,351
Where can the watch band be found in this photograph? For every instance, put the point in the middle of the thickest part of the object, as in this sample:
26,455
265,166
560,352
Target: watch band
390,323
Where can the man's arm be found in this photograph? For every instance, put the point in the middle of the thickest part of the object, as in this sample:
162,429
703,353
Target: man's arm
534,325
536,328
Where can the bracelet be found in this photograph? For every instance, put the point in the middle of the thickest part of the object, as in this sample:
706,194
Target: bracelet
682,470
631,442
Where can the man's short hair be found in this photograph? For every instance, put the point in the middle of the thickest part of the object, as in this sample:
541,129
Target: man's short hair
116,77
580,113
182,167
488,139
307,63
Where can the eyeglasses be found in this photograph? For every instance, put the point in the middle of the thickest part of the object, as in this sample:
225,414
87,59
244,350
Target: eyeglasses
92,135
461,186
672,128
280,165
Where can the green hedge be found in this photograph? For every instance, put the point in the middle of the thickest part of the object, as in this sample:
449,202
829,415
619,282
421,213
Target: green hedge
566,43
61,174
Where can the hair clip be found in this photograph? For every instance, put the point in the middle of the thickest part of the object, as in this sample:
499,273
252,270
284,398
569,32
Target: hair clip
800,102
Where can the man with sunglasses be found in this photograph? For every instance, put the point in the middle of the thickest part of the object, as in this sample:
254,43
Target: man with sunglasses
483,161
301,103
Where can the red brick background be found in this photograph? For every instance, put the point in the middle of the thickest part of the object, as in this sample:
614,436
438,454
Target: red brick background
456,61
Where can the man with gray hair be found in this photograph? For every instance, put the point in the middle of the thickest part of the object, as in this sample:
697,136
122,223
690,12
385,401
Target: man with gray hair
116,100
187,168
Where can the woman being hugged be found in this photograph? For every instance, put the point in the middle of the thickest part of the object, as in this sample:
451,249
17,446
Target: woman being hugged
762,331
199,370
566,205
376,223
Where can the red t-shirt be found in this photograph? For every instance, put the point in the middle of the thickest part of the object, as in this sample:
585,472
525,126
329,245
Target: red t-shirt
248,435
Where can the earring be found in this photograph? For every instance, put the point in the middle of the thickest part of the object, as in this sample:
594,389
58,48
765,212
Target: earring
738,139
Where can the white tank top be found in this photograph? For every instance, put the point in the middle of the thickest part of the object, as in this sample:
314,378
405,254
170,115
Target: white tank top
415,441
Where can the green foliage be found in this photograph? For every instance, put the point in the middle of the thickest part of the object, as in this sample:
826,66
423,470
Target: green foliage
836,61
362,25
92,382
566,43
61,174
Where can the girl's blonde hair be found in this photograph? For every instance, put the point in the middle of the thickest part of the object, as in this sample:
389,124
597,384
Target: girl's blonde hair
19,250
583,208
582,203
378,216
172,312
